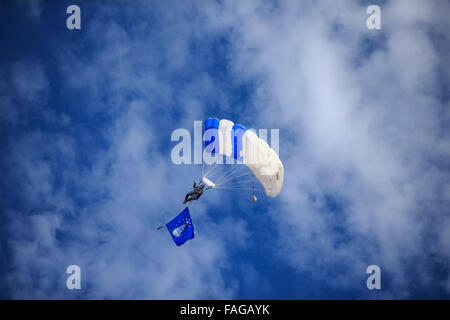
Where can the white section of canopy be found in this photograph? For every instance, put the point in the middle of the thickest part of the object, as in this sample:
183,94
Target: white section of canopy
224,133
264,163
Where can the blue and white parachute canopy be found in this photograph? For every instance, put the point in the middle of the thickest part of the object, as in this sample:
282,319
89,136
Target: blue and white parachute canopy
246,151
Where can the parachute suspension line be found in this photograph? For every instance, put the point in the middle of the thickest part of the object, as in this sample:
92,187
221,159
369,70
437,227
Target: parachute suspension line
230,168
253,191
212,170
235,179
207,170
254,198
240,182
240,187
203,166
227,174
236,187
244,185
235,175
253,185
217,171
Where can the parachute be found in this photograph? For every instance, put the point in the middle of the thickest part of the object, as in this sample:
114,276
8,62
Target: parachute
246,157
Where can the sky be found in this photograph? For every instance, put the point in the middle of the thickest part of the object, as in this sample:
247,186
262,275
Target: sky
86,118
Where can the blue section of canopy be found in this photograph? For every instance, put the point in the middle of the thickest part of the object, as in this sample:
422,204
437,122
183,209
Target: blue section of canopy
211,135
212,141
236,139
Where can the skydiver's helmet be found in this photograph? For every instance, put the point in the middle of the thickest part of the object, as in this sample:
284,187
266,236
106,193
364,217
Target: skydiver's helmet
202,186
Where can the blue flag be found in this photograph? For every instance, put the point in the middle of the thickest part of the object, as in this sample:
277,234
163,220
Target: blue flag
181,227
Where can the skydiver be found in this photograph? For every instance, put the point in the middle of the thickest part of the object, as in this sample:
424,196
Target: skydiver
196,193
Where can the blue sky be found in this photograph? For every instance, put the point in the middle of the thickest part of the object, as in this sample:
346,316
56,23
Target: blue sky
85,123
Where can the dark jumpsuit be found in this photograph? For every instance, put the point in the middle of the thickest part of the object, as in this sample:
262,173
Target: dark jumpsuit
194,194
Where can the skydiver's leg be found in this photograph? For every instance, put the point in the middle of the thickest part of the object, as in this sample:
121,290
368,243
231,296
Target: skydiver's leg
189,197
